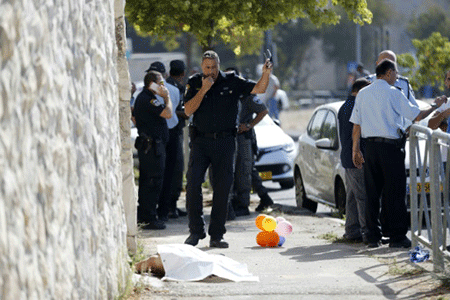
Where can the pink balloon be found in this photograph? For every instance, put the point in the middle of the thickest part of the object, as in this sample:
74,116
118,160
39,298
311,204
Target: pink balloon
280,219
284,228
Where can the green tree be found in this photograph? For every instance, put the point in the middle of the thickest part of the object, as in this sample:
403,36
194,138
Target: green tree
431,61
232,21
434,20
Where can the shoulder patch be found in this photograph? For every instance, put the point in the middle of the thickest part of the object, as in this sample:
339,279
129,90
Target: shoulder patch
257,100
155,102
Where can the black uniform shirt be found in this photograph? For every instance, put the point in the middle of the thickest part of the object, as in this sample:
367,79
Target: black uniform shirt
252,104
147,110
219,107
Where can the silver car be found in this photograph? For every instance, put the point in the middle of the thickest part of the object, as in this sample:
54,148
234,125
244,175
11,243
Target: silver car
318,173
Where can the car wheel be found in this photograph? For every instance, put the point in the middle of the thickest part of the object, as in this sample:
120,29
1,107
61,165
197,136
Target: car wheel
341,197
287,184
300,194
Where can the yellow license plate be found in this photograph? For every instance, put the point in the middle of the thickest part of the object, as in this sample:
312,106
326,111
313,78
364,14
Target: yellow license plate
266,175
426,186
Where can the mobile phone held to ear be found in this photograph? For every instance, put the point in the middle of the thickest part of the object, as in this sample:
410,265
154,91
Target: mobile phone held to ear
155,87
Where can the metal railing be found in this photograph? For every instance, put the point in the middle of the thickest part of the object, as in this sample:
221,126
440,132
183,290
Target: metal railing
419,205
436,143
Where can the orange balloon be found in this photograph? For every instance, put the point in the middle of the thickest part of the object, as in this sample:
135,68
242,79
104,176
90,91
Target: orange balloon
274,239
263,238
259,220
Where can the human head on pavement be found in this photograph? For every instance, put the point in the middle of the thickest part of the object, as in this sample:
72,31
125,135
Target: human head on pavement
387,70
177,68
386,54
359,84
210,64
158,67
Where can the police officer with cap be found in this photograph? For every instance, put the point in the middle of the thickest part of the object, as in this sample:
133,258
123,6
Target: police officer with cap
212,97
177,73
151,115
378,117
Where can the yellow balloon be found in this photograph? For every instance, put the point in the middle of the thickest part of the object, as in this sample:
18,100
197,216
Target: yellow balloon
269,223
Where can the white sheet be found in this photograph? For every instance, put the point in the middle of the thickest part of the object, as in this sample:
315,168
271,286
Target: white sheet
186,263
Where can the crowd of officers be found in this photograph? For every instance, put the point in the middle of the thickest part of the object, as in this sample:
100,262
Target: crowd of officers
373,124
222,109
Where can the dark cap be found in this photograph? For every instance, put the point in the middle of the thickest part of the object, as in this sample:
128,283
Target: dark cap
157,66
177,65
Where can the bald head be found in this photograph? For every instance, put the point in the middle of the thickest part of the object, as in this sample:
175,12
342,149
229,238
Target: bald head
386,54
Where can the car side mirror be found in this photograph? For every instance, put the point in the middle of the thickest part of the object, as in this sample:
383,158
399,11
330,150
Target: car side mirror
324,143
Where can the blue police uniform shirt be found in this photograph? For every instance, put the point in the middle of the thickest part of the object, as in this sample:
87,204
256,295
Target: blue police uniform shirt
174,94
345,133
380,108
219,108
147,110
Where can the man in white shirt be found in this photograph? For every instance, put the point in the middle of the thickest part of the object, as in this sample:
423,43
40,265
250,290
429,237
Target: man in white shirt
378,116
440,117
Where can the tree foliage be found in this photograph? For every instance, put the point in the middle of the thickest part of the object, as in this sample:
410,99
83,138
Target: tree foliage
434,20
431,62
234,22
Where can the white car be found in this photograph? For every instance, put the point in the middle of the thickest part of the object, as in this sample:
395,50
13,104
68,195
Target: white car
276,153
318,173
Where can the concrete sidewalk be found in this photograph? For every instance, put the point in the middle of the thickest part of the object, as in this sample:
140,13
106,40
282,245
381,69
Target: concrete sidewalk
310,265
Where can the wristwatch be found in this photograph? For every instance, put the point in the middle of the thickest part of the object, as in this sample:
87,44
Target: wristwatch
248,125
434,105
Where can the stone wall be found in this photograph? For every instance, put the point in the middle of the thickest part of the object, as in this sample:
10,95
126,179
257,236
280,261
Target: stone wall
62,224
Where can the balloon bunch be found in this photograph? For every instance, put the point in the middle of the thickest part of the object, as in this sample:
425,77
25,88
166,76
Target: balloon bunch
274,230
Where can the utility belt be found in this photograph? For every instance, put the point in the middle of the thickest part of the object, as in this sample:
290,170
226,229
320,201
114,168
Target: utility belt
397,142
194,133
146,143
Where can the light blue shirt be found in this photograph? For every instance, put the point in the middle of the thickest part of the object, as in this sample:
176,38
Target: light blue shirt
174,94
380,109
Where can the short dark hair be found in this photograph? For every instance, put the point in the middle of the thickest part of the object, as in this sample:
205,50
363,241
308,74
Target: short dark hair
177,67
151,76
359,84
384,66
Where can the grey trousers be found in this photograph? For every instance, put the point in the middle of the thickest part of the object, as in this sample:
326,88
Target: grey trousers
355,218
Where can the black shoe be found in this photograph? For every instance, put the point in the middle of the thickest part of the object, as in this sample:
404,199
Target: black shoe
218,243
262,207
385,241
404,243
181,213
194,238
373,244
352,240
163,218
173,214
242,211
155,225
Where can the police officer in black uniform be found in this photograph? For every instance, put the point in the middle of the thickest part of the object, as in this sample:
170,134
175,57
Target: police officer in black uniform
151,115
212,97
